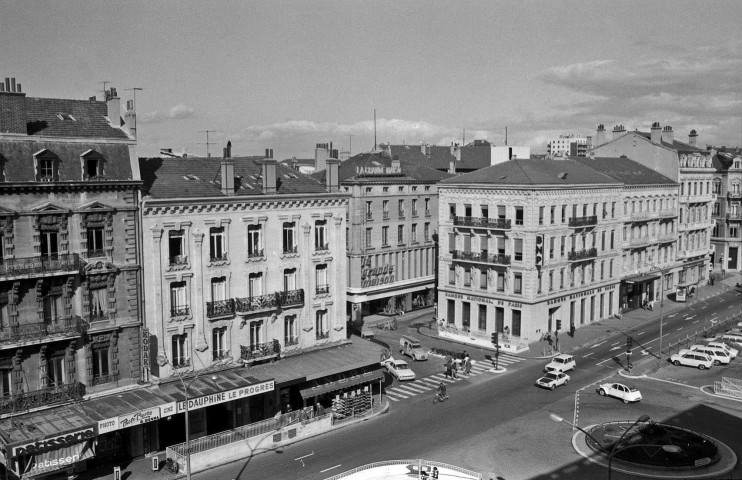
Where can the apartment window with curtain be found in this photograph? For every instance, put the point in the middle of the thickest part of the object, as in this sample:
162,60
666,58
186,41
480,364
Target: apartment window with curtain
254,241
552,216
427,206
483,279
218,289
289,237
320,275
519,215
426,231
541,211
101,371
400,207
552,240
500,282
562,246
290,330
414,207
385,209
178,301
219,343
518,249
518,283
400,234
321,325
95,242
482,323
467,277
6,381
551,280
320,235
451,275
176,245
368,238
98,303
289,279
179,347
413,233
385,236
217,250
55,370
369,211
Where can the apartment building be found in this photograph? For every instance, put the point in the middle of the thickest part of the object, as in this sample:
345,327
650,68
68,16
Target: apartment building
526,247
568,145
726,238
692,168
391,232
70,279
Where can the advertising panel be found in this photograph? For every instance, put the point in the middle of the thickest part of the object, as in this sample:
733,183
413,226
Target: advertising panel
226,396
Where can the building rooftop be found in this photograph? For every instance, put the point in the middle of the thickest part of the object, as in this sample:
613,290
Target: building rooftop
201,177
625,170
71,118
532,172
413,170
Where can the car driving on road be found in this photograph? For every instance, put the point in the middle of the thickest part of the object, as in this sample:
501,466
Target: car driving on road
561,363
399,369
692,359
551,380
620,391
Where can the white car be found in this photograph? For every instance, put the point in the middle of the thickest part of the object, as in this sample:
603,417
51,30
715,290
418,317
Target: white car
692,359
399,368
551,380
620,391
561,363
718,355
733,352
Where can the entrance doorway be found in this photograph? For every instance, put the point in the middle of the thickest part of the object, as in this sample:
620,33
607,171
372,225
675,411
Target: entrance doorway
552,318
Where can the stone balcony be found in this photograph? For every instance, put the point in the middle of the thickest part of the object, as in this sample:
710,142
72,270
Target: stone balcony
39,332
481,257
45,397
40,266
481,222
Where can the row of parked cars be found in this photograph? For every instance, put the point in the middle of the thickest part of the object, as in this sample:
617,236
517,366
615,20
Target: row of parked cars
715,352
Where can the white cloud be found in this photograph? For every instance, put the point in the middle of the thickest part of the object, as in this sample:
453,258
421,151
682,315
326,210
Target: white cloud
178,112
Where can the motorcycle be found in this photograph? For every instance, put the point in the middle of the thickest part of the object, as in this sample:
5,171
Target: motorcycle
439,398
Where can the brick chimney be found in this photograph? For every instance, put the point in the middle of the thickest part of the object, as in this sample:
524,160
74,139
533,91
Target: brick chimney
269,172
332,175
656,133
600,135
321,154
114,107
452,166
618,130
130,118
227,170
12,108
692,138
667,134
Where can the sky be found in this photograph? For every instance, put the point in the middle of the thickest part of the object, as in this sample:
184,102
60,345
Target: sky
289,74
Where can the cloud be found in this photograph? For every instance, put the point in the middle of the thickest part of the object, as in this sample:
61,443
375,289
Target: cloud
178,112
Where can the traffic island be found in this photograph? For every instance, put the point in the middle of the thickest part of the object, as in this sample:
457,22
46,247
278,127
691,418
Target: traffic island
654,450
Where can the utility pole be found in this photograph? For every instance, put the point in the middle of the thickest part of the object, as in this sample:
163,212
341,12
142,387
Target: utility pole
134,89
350,147
207,143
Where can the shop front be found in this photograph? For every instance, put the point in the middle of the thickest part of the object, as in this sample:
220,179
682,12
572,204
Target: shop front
638,291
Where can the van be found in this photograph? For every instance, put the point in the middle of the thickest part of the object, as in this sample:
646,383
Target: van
411,347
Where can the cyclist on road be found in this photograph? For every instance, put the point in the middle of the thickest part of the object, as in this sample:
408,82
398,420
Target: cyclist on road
441,391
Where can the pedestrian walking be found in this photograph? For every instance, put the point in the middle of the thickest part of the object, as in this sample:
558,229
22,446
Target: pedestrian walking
454,370
449,366
556,340
467,364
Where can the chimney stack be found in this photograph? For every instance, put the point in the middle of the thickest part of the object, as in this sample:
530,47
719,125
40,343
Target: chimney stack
321,154
667,134
130,118
269,173
452,166
600,135
692,138
618,130
332,175
114,107
12,108
656,134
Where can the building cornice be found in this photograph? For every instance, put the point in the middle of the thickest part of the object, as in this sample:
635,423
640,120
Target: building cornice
241,203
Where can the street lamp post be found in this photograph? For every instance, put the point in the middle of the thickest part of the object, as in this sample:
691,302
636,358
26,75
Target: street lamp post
613,451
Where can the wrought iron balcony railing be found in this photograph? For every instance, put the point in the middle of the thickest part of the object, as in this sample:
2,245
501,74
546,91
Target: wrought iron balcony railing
322,247
323,335
95,253
68,262
734,216
21,402
179,311
497,223
218,258
103,379
69,327
290,249
579,255
588,221
255,253
323,289
484,257
734,195
181,362
258,351
220,308
270,301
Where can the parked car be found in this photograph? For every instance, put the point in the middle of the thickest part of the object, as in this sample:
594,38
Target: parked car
620,391
733,338
718,355
551,380
561,363
399,369
733,352
411,347
692,359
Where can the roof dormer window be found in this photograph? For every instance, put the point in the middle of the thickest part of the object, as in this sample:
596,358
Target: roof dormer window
92,165
47,166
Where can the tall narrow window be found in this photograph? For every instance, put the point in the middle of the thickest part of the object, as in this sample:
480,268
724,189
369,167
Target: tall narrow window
254,242
500,281
516,323
255,285
216,244
400,234
95,242
289,279
426,231
218,289
179,346
321,324
289,240
101,370
219,343
414,207
53,309
6,382
320,274
256,334
98,301
482,324
519,215
55,370
518,283
518,249
413,233
177,247
320,235
290,331
49,245
178,303
385,236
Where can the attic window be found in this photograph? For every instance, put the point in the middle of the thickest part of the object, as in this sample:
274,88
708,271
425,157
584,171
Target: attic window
66,116
562,175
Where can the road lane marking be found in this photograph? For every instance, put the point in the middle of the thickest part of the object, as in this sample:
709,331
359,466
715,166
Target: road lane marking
695,321
640,333
679,329
585,356
615,348
597,344
673,314
692,316
616,343
328,469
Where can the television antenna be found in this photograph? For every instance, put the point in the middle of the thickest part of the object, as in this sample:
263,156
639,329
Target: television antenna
134,89
207,143
105,82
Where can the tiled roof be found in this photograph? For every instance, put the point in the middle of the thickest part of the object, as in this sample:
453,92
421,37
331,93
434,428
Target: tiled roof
17,158
675,145
475,157
412,170
201,177
440,157
534,172
89,122
624,169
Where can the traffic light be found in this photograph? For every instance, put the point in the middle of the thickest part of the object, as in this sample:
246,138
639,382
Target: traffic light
629,341
559,324
539,251
494,338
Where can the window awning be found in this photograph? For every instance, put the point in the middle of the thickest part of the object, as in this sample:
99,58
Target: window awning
642,278
369,377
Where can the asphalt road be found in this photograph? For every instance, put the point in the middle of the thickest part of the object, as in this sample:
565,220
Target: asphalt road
499,424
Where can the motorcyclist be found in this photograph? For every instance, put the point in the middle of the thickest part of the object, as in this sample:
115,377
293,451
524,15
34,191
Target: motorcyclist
441,391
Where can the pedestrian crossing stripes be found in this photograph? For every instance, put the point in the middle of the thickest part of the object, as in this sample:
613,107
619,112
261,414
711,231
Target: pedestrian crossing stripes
406,390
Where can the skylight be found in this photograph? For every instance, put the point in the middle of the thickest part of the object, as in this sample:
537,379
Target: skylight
66,116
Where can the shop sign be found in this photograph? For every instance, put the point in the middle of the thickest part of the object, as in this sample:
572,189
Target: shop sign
54,443
167,409
60,458
108,425
145,349
138,418
378,171
477,298
371,277
227,396
586,293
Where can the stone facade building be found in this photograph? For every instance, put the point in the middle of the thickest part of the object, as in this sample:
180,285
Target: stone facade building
726,238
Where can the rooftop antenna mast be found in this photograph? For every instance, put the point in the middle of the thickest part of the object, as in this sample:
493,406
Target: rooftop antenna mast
374,129
506,135
350,142
134,89
463,139
207,143
105,95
